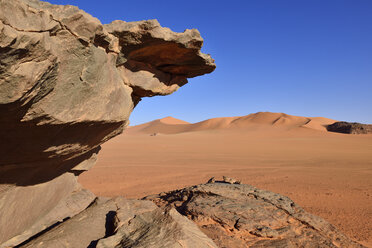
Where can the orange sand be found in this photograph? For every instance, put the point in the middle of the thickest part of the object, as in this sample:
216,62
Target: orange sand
328,174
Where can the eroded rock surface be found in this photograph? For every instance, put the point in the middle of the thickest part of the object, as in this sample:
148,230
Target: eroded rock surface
67,85
237,215
228,215
121,222
350,127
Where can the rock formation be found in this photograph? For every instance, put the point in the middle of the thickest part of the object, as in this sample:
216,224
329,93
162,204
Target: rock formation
124,223
238,215
67,85
350,127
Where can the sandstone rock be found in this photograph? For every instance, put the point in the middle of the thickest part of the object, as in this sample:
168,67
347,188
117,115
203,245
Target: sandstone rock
230,180
124,223
228,215
142,224
350,127
243,216
67,85
82,230
41,206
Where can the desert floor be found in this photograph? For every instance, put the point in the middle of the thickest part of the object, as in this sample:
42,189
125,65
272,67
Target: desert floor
328,174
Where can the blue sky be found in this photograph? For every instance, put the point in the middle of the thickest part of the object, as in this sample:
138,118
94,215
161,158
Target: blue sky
300,57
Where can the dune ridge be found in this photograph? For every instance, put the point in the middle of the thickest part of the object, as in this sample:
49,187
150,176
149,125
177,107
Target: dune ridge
170,125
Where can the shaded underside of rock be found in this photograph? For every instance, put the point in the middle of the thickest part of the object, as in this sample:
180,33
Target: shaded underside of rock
234,215
67,85
350,127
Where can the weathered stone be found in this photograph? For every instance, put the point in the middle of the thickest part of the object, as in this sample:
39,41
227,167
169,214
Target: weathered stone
350,127
157,60
60,198
243,216
67,85
82,230
230,180
142,224
124,223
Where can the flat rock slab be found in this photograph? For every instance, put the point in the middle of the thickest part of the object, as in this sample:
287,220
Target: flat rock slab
234,215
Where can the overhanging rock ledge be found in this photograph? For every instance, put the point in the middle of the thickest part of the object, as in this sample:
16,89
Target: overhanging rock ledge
67,85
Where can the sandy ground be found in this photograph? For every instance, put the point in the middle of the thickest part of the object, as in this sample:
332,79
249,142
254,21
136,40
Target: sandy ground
328,174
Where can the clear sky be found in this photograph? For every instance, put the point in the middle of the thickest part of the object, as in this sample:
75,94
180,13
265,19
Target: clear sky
300,57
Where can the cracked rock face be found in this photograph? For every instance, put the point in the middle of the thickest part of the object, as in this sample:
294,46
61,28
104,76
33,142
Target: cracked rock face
235,215
67,85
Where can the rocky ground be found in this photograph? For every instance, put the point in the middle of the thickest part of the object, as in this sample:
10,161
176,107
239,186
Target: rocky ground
237,215
217,214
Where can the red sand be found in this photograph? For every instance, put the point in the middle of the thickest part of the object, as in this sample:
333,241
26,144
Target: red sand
328,174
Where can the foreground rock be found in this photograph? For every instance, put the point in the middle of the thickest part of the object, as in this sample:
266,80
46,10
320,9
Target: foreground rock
124,223
350,127
67,85
235,215
218,214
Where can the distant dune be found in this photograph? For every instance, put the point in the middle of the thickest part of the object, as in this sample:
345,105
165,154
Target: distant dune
260,120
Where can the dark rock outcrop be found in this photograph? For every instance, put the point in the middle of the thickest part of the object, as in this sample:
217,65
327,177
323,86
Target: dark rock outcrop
350,127
67,85
237,215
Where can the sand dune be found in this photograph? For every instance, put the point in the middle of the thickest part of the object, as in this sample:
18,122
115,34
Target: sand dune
171,125
329,174
164,125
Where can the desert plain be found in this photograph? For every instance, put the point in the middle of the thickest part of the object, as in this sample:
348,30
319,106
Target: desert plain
328,174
